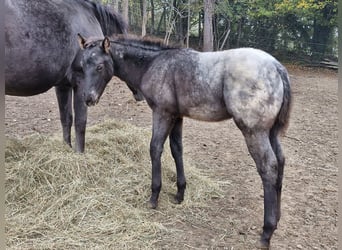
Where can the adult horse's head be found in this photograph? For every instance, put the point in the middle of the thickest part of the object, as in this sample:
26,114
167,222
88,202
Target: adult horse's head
97,65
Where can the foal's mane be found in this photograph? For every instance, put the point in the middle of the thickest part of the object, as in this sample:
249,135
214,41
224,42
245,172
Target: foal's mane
145,43
141,43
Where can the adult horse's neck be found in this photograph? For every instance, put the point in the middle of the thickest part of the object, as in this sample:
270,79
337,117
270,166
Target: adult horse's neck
132,58
110,21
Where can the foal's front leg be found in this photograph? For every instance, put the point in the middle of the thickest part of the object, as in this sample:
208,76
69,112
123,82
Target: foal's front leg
162,124
177,154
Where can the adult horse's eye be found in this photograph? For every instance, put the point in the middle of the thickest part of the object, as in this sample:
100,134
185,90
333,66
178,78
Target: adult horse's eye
99,68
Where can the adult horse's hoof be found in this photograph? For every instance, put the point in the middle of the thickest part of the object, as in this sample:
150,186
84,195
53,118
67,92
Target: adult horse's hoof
178,199
263,244
79,151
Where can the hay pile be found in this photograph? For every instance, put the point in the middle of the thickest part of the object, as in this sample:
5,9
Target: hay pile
58,199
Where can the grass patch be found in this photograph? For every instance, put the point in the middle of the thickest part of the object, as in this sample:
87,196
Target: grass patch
58,199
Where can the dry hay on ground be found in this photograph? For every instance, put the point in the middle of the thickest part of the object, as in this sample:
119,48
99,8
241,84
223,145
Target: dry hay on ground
57,199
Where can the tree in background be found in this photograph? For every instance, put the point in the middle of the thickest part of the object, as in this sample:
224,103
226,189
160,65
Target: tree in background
208,44
291,29
315,21
125,10
144,16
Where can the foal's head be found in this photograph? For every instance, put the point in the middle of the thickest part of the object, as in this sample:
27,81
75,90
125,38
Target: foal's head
97,65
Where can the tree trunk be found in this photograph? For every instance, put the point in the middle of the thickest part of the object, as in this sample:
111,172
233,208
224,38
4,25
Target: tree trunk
152,17
144,17
162,18
200,20
241,21
125,7
188,26
170,25
116,5
221,46
181,17
208,25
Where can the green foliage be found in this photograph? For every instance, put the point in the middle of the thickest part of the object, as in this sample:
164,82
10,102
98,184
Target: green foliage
303,28
324,11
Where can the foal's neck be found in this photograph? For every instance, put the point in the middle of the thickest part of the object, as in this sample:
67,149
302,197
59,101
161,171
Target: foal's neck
132,59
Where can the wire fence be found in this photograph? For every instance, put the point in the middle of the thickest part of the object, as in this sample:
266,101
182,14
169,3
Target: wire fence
286,47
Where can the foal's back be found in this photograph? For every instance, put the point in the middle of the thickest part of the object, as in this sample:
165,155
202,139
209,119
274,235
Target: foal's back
214,86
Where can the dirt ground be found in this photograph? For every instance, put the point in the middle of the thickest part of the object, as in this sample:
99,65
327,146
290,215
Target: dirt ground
309,203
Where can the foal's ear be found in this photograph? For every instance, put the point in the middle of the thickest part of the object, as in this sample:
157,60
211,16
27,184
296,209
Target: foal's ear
81,41
106,45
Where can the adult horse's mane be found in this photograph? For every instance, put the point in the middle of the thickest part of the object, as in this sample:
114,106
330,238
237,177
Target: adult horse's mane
111,22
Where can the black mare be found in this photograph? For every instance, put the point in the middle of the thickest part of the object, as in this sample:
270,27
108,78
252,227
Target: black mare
247,85
42,51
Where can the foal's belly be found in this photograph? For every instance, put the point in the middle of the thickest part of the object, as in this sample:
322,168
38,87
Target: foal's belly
207,113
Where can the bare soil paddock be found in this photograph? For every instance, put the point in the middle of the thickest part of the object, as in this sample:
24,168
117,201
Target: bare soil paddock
309,204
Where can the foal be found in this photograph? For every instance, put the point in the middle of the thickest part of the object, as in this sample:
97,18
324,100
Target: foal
245,84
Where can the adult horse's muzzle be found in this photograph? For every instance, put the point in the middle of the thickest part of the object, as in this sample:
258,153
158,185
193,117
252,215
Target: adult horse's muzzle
92,98
138,96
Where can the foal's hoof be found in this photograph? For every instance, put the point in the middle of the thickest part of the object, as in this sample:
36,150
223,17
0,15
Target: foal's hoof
152,204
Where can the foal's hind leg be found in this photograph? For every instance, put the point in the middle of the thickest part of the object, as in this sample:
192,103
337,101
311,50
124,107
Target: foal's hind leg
259,146
64,98
281,162
177,154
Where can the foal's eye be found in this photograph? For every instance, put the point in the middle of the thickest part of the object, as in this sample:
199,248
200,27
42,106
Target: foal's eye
99,67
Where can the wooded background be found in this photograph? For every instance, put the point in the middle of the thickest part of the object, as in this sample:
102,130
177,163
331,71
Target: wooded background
292,30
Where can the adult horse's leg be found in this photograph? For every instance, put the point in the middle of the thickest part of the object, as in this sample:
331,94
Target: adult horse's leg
64,98
177,154
138,96
281,162
81,110
162,124
260,148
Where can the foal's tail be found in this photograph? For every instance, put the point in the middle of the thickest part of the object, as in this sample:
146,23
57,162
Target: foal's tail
283,117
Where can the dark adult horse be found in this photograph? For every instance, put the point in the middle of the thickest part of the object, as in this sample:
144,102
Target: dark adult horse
42,51
245,84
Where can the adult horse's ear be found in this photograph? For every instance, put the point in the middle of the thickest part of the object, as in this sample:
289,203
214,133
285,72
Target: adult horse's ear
106,45
81,41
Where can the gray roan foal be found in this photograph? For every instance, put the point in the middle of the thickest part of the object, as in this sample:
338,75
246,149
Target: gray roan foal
245,84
